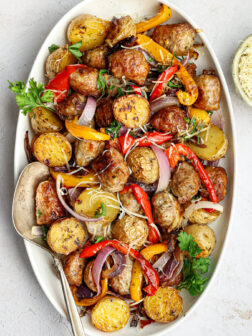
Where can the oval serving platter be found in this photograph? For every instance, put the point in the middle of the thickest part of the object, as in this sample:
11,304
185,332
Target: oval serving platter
41,261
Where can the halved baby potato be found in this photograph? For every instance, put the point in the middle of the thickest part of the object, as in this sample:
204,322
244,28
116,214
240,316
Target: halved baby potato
65,235
202,216
52,149
44,121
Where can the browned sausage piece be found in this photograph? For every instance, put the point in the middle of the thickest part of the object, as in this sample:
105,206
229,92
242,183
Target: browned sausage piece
191,69
84,81
112,170
129,63
96,57
71,106
218,177
130,203
87,150
88,277
104,113
121,283
120,29
169,119
209,92
48,206
73,268
177,38
185,182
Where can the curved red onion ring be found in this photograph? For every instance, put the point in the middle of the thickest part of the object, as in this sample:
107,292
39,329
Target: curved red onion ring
83,292
162,102
186,60
73,193
88,112
119,264
164,169
170,267
202,205
162,261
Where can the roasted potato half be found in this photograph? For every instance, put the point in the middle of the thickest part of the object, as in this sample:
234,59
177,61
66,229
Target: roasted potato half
131,110
110,314
215,141
52,149
44,121
65,235
120,29
89,29
201,216
165,306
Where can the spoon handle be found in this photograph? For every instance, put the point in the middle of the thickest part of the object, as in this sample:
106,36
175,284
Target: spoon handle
70,304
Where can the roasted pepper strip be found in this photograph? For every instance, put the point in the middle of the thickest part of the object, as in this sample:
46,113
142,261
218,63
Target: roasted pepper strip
93,300
163,56
148,270
137,274
75,180
85,132
143,200
164,15
136,89
126,142
151,138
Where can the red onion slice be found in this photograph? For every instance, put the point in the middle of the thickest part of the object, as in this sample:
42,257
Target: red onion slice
186,60
217,119
119,264
202,205
98,264
70,138
83,292
164,169
162,102
88,112
74,193
162,261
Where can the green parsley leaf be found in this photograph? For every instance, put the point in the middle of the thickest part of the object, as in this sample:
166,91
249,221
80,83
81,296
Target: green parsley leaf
210,112
187,243
39,213
195,198
113,129
150,59
101,82
187,120
171,85
99,239
111,87
120,92
74,49
101,211
45,229
53,47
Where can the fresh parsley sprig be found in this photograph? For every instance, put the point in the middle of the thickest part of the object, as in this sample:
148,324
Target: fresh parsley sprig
53,47
187,243
74,49
101,81
113,129
99,239
34,96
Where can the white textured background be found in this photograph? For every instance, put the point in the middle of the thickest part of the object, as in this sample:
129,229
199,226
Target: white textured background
24,310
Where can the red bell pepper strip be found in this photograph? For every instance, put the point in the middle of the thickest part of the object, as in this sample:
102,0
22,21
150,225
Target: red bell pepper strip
59,85
162,81
153,137
136,89
143,200
148,270
126,142
175,151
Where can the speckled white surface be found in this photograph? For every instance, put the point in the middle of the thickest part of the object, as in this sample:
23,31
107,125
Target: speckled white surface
24,310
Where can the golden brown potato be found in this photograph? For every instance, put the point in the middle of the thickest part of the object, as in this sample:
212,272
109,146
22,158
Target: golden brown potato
121,283
88,277
218,177
167,211
58,60
110,314
177,37
104,112
48,206
131,110
72,106
65,235
111,169
52,149
89,29
84,81
215,142
144,165
209,92
120,29
165,306
87,150
96,58
201,216
73,268
130,203
204,236
130,63
44,121
131,230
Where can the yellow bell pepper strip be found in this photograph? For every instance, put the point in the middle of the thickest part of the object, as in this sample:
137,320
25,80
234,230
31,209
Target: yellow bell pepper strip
71,181
164,15
163,56
137,274
85,132
199,115
90,301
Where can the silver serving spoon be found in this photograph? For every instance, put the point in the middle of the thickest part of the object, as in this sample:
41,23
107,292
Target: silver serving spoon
23,216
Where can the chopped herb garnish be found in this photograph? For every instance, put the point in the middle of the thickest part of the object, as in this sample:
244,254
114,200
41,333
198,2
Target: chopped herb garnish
111,87
120,92
44,231
99,239
113,129
101,81
173,55
210,112
101,211
187,120
74,49
171,85
39,213
70,91
187,243
195,198
161,68
53,47
150,59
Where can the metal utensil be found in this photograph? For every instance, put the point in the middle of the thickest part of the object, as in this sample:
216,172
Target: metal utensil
23,216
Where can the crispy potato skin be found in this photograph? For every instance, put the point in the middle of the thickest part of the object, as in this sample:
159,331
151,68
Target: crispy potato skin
110,314
111,169
44,121
65,235
129,63
169,119
87,150
218,177
131,230
88,277
144,165
84,81
121,283
177,38
185,182
204,237
130,203
120,29
48,206
73,268
165,306
131,110
52,149
104,112
209,92
96,58
72,106
167,211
